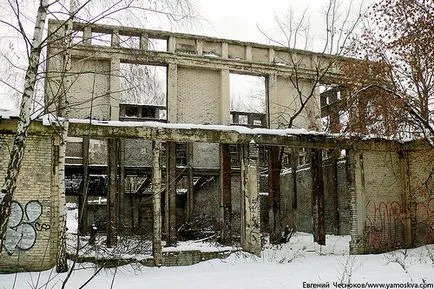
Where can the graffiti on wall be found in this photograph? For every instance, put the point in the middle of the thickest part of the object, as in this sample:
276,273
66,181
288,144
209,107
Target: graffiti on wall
386,221
385,224
23,226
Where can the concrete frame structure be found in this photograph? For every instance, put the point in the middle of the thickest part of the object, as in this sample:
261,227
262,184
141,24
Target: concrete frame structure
198,71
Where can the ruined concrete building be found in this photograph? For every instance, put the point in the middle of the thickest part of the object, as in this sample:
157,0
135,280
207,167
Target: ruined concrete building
159,127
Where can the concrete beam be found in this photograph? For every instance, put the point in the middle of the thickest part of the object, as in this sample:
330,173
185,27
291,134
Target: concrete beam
200,133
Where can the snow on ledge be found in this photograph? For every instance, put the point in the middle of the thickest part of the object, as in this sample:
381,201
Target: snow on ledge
184,126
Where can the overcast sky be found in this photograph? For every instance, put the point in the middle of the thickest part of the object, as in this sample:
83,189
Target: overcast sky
232,19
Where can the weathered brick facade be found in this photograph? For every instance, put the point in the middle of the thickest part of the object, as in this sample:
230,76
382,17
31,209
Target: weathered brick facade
32,237
393,203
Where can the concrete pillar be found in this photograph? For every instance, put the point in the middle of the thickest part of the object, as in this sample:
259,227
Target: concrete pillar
170,196
144,41
199,47
271,55
156,203
115,88
252,234
112,196
225,50
248,53
225,101
225,195
273,115
190,190
115,38
171,44
172,93
354,172
87,35
124,210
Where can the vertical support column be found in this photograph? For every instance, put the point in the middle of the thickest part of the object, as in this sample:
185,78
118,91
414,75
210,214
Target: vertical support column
357,203
273,116
271,55
225,106
199,47
248,53
87,35
318,197
82,198
172,93
115,38
252,233
406,196
170,197
144,42
115,88
294,164
225,195
171,44
122,218
334,187
274,193
112,196
190,190
225,50
243,177
156,204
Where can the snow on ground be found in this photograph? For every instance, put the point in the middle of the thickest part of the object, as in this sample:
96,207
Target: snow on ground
283,266
286,266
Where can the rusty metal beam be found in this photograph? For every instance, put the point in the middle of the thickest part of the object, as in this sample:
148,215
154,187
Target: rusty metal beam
274,192
318,209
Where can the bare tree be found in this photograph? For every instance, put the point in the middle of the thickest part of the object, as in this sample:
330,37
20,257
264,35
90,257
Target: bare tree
391,91
86,10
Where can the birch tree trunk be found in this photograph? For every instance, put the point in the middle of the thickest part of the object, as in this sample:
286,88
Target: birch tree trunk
17,151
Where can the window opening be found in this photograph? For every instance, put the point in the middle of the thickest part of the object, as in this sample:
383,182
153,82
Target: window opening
247,98
156,44
143,92
126,41
102,39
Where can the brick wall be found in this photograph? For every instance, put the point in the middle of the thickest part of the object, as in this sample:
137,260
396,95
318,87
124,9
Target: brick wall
286,103
421,189
394,193
198,96
91,81
378,185
32,238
